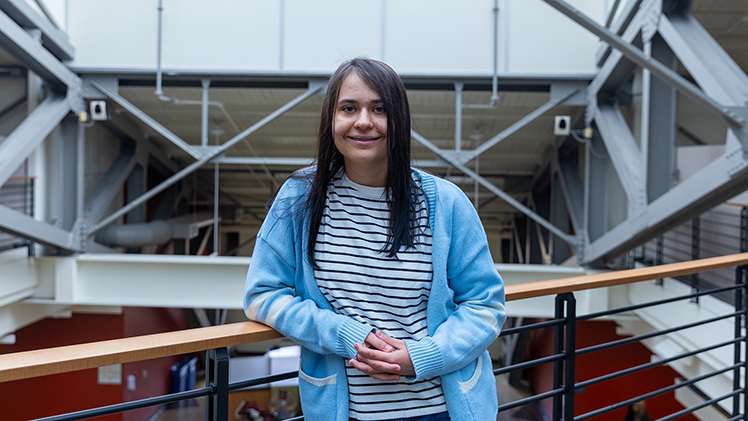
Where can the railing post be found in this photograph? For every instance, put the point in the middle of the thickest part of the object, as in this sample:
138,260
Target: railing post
659,252
739,317
217,378
744,229
30,204
742,272
695,240
564,340
570,360
558,335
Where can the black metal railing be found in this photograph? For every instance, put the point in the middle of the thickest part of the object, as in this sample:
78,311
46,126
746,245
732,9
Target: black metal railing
564,356
17,194
716,232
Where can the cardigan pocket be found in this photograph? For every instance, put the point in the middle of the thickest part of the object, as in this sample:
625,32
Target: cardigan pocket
470,384
319,398
329,380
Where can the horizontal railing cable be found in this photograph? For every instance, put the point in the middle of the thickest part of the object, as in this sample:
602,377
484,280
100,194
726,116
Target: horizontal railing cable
161,400
127,406
701,405
263,380
656,393
531,399
653,364
654,334
528,364
534,326
658,302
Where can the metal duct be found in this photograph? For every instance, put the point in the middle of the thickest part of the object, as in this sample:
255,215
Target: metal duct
136,235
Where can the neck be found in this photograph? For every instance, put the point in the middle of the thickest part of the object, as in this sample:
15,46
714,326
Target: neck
366,176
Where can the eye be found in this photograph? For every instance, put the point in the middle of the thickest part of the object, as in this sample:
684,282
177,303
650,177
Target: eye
379,110
348,108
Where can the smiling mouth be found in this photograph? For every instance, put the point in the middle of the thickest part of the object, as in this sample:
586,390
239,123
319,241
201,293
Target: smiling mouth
364,139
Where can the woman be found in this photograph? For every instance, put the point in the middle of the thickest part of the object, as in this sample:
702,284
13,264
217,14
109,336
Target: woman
381,272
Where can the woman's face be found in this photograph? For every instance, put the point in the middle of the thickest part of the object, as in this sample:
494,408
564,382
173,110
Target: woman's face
360,130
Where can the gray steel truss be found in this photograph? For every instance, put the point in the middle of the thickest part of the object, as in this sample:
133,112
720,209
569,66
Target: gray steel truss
30,134
27,49
205,158
53,38
644,162
450,158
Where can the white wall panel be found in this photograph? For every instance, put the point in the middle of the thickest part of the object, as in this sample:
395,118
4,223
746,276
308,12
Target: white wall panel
114,34
427,37
541,40
233,35
320,34
297,36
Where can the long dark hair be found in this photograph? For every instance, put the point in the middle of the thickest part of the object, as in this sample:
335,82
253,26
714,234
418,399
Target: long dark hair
399,186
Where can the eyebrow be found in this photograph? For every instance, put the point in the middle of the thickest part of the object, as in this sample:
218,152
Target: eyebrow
353,101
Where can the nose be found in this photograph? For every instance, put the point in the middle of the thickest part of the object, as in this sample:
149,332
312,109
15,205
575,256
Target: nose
364,120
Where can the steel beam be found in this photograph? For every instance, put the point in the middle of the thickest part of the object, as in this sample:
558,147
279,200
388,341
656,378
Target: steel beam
718,181
616,68
30,134
596,183
623,152
252,160
24,226
17,315
573,191
559,215
495,190
125,128
212,153
145,118
53,38
516,126
657,68
711,67
659,116
102,196
16,41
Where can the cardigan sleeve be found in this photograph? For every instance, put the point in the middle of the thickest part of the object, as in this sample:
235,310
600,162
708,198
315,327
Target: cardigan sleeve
270,296
478,295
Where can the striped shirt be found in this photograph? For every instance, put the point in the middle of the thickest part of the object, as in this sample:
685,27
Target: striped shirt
390,294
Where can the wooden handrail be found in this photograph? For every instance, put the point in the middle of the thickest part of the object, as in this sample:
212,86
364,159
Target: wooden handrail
621,277
43,362
21,365
22,178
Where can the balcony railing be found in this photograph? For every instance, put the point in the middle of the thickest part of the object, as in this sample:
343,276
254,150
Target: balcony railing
563,358
17,194
719,231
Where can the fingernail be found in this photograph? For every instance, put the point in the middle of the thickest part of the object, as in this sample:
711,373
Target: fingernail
380,334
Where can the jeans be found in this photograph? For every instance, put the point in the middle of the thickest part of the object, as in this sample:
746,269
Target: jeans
442,416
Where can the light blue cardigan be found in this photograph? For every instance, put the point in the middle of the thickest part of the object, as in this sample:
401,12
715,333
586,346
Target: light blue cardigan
465,309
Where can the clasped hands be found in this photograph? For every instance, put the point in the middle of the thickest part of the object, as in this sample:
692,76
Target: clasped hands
383,357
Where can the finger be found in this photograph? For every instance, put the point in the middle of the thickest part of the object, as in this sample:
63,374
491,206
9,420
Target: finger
395,343
379,365
376,342
370,371
374,355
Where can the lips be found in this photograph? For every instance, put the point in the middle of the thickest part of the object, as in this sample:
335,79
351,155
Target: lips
363,139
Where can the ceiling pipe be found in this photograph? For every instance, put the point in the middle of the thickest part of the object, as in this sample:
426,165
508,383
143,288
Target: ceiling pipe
494,101
154,233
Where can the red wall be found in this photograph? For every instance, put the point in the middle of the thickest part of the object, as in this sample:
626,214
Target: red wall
598,363
75,391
